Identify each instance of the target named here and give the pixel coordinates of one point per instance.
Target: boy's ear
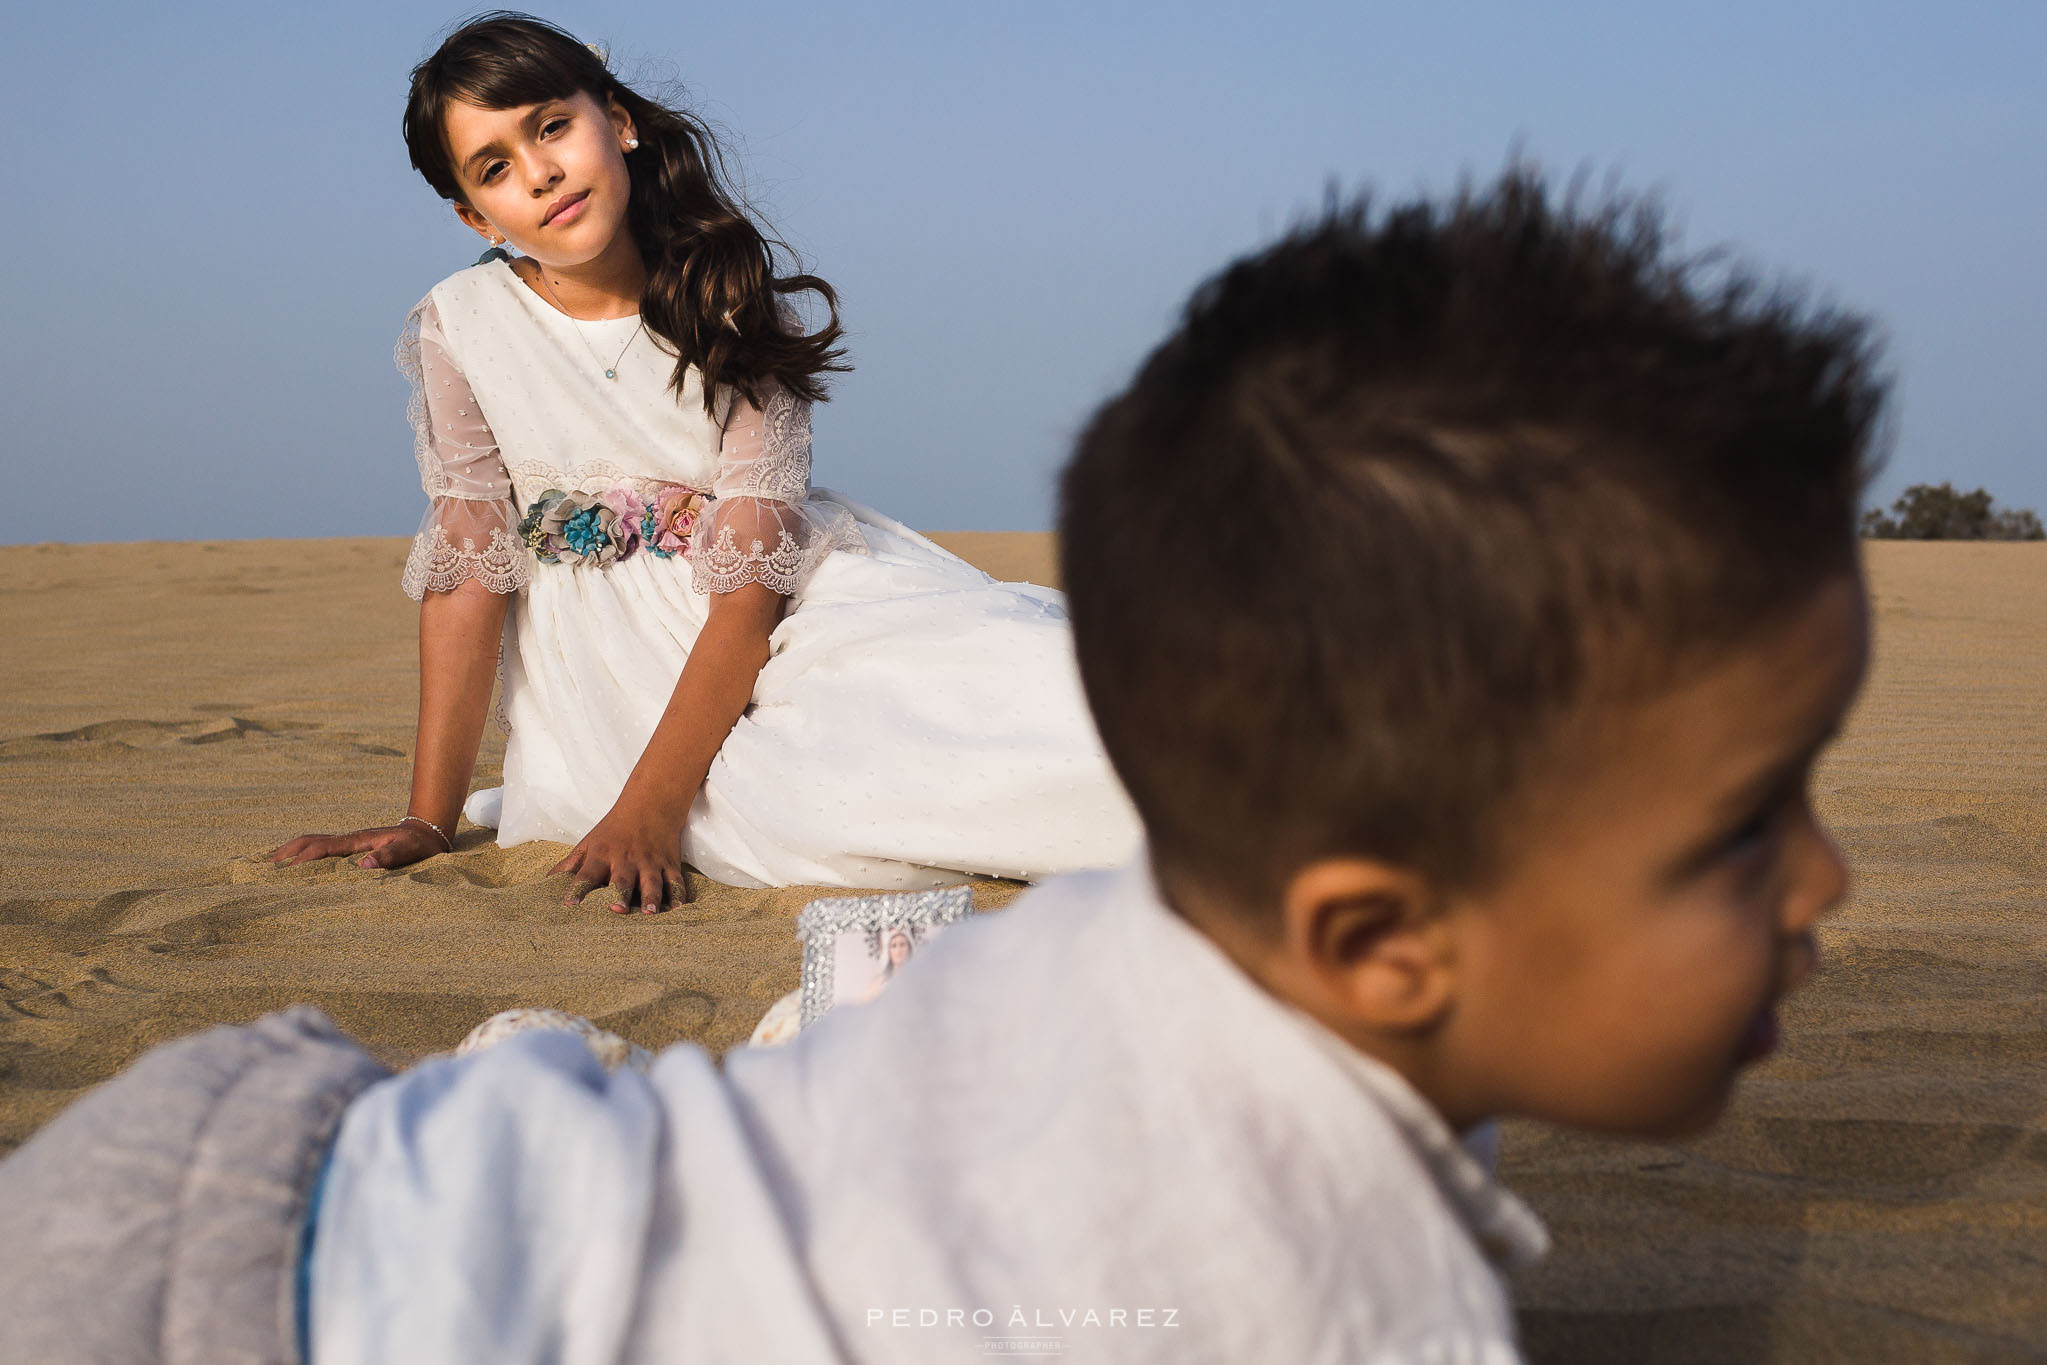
(1369, 939)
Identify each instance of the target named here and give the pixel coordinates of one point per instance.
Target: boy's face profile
(1658, 902)
(1627, 966)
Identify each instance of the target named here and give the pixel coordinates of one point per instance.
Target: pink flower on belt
(671, 518)
(631, 508)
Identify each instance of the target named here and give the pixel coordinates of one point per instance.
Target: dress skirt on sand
(916, 719)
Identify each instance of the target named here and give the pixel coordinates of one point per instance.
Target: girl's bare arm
(458, 644)
(637, 847)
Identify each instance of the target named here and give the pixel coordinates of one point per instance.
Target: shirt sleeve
(762, 526)
(471, 525)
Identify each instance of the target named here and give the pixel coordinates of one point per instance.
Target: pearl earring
(632, 143)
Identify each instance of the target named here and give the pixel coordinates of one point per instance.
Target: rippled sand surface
(1878, 1193)
(175, 710)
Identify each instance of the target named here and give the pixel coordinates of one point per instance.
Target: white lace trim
(436, 564)
(782, 469)
(718, 562)
(585, 476)
(722, 566)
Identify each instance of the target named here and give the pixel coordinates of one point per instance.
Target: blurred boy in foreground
(1464, 594)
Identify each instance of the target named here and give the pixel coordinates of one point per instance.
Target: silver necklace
(611, 370)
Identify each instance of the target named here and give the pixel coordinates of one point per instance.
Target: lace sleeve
(471, 525)
(763, 526)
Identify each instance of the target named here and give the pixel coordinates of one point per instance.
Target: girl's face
(898, 950)
(548, 178)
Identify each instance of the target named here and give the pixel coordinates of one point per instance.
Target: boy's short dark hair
(1406, 491)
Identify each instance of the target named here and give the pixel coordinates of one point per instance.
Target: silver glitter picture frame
(821, 925)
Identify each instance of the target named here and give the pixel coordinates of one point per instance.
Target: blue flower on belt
(587, 533)
(571, 528)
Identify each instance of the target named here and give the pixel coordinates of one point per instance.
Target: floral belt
(597, 528)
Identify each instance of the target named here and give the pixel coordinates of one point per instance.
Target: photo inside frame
(854, 946)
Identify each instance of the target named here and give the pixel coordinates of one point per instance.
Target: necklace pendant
(611, 374)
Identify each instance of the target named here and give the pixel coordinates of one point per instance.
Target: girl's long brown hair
(706, 259)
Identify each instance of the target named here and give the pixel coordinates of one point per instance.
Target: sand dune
(1879, 1193)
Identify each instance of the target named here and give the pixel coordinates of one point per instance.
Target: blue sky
(214, 234)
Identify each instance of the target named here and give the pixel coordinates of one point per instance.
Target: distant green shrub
(1937, 512)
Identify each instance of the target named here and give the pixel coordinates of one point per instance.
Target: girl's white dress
(916, 719)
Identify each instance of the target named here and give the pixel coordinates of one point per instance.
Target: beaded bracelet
(432, 826)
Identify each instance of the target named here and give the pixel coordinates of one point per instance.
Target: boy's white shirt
(1072, 1127)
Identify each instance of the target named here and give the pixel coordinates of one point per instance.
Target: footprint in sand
(156, 734)
(49, 1001)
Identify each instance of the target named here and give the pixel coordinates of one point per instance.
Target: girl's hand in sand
(386, 846)
(635, 855)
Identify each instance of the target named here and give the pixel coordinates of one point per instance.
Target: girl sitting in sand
(614, 429)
